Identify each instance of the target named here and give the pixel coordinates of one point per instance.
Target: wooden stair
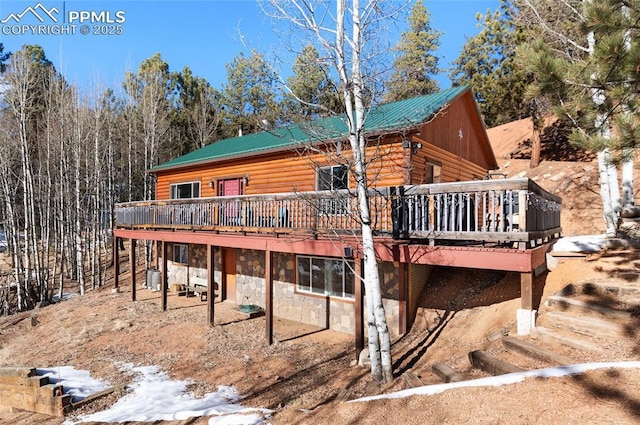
(447, 373)
(565, 303)
(535, 352)
(580, 324)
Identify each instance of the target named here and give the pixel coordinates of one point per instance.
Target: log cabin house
(267, 219)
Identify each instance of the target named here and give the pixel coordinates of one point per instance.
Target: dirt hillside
(303, 373)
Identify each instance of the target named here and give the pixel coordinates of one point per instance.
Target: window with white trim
(180, 254)
(325, 276)
(185, 190)
(333, 178)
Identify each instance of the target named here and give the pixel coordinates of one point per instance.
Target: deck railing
(488, 210)
(504, 210)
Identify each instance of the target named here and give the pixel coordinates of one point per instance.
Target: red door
(230, 210)
(231, 187)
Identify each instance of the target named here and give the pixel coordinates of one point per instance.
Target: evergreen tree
(596, 89)
(196, 116)
(414, 68)
(4, 57)
(488, 65)
(312, 93)
(590, 73)
(249, 98)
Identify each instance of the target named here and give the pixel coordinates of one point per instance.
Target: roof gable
(385, 118)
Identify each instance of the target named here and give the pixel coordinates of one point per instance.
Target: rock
(121, 324)
(552, 262)
(557, 177)
(630, 212)
(363, 358)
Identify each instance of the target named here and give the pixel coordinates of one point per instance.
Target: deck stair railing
(510, 210)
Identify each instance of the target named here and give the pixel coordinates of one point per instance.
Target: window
(333, 178)
(325, 276)
(185, 190)
(433, 172)
(180, 254)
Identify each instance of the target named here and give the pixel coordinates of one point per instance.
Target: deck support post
(526, 315)
(165, 274)
(156, 254)
(403, 289)
(211, 295)
(132, 267)
(116, 262)
(359, 327)
(268, 304)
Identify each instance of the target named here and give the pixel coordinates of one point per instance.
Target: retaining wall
(22, 389)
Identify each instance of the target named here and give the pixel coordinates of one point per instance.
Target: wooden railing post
(523, 210)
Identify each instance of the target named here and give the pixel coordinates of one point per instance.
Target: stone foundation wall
(330, 313)
(182, 273)
(21, 388)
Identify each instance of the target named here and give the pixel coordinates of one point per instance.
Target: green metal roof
(388, 117)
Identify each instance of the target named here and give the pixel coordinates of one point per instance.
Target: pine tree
(414, 68)
(593, 84)
(312, 93)
(4, 57)
(249, 98)
(488, 65)
(196, 117)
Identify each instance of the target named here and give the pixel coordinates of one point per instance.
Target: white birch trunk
(609, 192)
(610, 219)
(303, 14)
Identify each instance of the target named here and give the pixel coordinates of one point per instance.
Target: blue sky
(204, 35)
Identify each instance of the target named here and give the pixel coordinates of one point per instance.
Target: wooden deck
(513, 211)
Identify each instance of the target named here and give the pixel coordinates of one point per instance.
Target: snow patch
(154, 397)
(588, 243)
(510, 378)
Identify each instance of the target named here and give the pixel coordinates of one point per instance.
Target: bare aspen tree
(8, 180)
(343, 34)
(79, 140)
(22, 79)
(204, 120)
